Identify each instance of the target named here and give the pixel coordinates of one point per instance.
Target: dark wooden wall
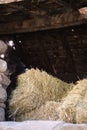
(61, 52)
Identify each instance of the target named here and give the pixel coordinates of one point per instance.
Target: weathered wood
(73, 3)
(38, 7)
(33, 15)
(31, 9)
(43, 23)
(69, 62)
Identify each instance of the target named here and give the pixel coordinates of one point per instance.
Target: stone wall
(4, 81)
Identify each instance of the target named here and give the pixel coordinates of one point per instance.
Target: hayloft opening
(63, 52)
(60, 52)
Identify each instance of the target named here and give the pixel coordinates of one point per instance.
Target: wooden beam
(72, 2)
(42, 23)
(52, 6)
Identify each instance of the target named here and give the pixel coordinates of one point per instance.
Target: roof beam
(42, 23)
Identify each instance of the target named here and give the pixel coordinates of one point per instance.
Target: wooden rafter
(32, 15)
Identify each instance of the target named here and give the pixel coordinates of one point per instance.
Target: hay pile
(39, 95)
(73, 108)
(34, 89)
(48, 111)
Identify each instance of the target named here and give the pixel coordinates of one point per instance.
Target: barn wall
(61, 52)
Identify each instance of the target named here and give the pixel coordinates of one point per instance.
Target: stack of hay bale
(35, 88)
(74, 106)
(40, 96)
(4, 81)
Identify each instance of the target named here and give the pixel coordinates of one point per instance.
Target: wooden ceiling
(32, 15)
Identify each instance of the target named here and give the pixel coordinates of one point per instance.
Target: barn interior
(49, 35)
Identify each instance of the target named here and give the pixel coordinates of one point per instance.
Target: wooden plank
(44, 23)
(73, 3)
(33, 8)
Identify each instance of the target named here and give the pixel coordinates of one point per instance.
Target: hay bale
(48, 111)
(34, 88)
(81, 109)
(74, 106)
